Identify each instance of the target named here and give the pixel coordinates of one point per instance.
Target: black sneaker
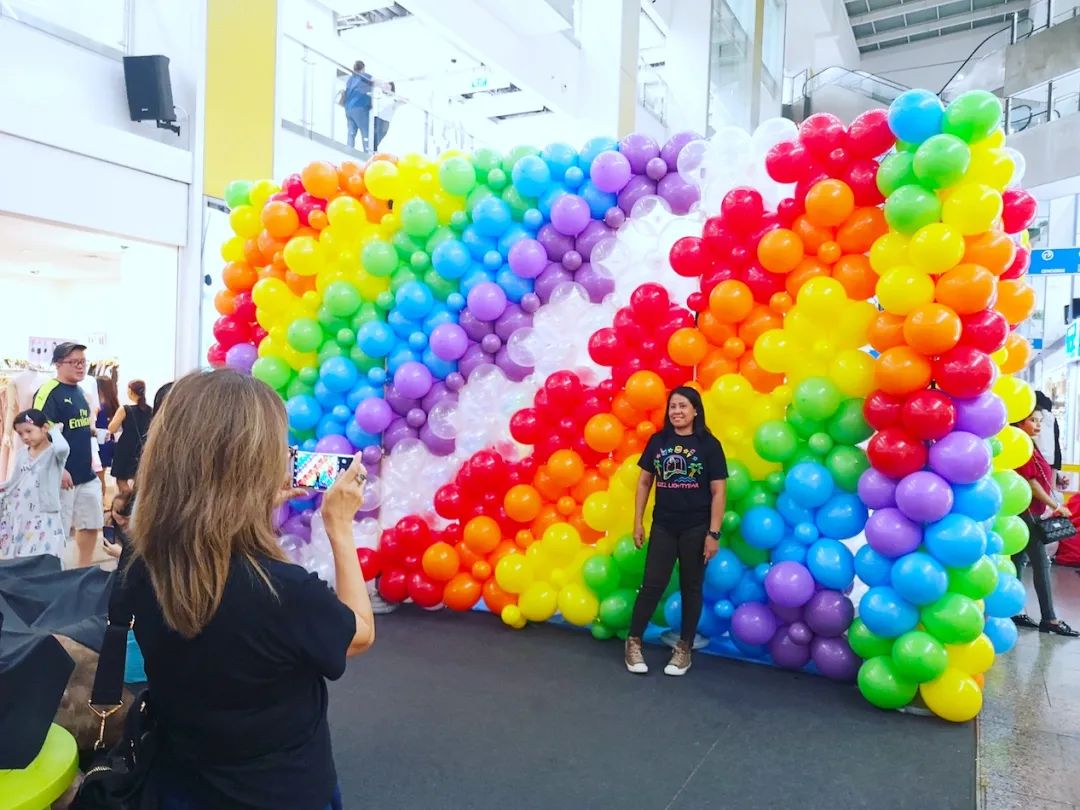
(1058, 628)
(1023, 620)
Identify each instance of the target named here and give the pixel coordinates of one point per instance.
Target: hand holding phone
(317, 471)
(344, 499)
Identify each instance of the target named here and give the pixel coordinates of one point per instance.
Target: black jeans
(1035, 551)
(665, 546)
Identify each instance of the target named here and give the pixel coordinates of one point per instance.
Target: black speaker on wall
(149, 90)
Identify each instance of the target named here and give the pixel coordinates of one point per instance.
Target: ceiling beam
(946, 22)
(889, 12)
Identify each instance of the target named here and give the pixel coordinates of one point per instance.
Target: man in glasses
(65, 404)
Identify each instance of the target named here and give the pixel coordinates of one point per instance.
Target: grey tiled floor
(1029, 729)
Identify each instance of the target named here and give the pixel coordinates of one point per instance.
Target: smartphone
(317, 471)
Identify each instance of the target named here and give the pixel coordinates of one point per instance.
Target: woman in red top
(1037, 472)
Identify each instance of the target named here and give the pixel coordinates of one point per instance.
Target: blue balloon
(915, 115)
(886, 613)
(956, 540)
(402, 326)
(399, 358)
(363, 390)
(326, 397)
(919, 578)
(793, 513)
(593, 147)
(559, 157)
(599, 201)
(329, 426)
(418, 341)
(309, 445)
(809, 484)
(762, 527)
(440, 369)
(831, 563)
(806, 532)
(358, 437)
(491, 216)
(514, 234)
(749, 589)
(751, 651)
(548, 200)
(574, 177)
(376, 339)
(994, 543)
(451, 259)
(722, 573)
(513, 285)
(1002, 634)
(493, 260)
(438, 317)
(1007, 599)
(873, 568)
(979, 501)
(531, 176)
(724, 609)
(477, 276)
(532, 219)
(673, 610)
(761, 570)
(789, 550)
(477, 243)
(303, 411)
(414, 300)
(339, 374)
(455, 302)
(842, 516)
(377, 376)
(342, 412)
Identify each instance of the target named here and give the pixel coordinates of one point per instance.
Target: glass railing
(877, 88)
(1044, 103)
(652, 91)
(1048, 13)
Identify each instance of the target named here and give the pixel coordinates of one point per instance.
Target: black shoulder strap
(109, 678)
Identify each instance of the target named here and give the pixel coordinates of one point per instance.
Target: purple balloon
(473, 326)
(597, 283)
(924, 496)
(674, 145)
(373, 415)
(571, 260)
(639, 149)
(439, 393)
(786, 652)
(876, 489)
(399, 430)
(638, 187)
(555, 243)
(891, 533)
(527, 258)
(829, 613)
(595, 233)
(296, 526)
(413, 379)
(436, 444)
(788, 615)
(656, 169)
(753, 623)
(960, 457)
(401, 405)
(984, 415)
(487, 300)
(550, 280)
(570, 214)
(510, 321)
(530, 302)
(679, 194)
(614, 217)
(491, 344)
(371, 456)
(448, 341)
(241, 357)
(789, 584)
(416, 418)
(474, 358)
(337, 444)
(455, 381)
(281, 514)
(610, 171)
(835, 659)
(512, 370)
(800, 633)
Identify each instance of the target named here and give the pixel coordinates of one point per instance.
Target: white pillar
(687, 71)
(609, 51)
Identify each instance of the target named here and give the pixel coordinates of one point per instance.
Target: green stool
(44, 780)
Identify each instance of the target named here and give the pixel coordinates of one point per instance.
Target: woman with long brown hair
(134, 421)
(108, 405)
(238, 643)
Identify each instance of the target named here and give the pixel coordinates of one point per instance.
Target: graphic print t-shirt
(66, 405)
(683, 467)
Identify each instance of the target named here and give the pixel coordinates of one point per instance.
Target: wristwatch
(714, 535)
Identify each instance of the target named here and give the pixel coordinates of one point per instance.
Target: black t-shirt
(684, 468)
(243, 704)
(66, 405)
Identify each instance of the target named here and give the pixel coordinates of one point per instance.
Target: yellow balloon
(972, 658)
(1000, 356)
(381, 179)
(904, 289)
(888, 251)
(269, 348)
(513, 573)
(261, 192)
(245, 221)
(990, 166)
(606, 544)
(853, 325)
(271, 294)
(232, 250)
(304, 256)
(733, 393)
(994, 140)
(328, 275)
(1016, 448)
(936, 248)
(346, 214)
(820, 297)
(577, 604)
(953, 696)
(782, 395)
(628, 472)
(971, 208)
(598, 512)
(538, 602)
(511, 616)
(560, 542)
(370, 286)
(853, 372)
(1018, 396)
(541, 562)
(772, 351)
(298, 360)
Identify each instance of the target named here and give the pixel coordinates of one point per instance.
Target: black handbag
(119, 777)
(1055, 529)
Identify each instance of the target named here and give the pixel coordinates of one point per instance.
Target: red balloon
(1020, 264)
(718, 240)
(564, 389)
(604, 348)
(487, 471)
(986, 331)
(672, 373)
(787, 162)
(423, 591)
(453, 533)
(881, 410)
(414, 534)
(896, 453)
(742, 209)
(1018, 211)
(257, 334)
(370, 562)
(697, 301)
(215, 356)
(449, 502)
(822, 133)
(627, 328)
(861, 176)
(393, 586)
(836, 162)
(716, 276)
(306, 204)
(928, 415)
(229, 330)
(689, 257)
(245, 307)
(763, 284)
(526, 426)
(741, 256)
(411, 563)
(964, 372)
(802, 188)
(869, 135)
(391, 548)
(787, 211)
(650, 303)
(293, 186)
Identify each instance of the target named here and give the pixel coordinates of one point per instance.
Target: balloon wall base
(671, 638)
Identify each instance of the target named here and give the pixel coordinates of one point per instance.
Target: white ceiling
(40, 249)
(879, 24)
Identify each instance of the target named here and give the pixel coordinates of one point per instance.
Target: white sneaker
(633, 657)
(680, 660)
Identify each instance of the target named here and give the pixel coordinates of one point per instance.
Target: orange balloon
(462, 592)
(993, 250)
(780, 251)
(375, 209)
(757, 376)
(645, 430)
(807, 269)
(730, 301)
(856, 276)
(591, 482)
(252, 254)
(607, 467)
(524, 538)
(687, 346)
(1015, 300)
(714, 329)
(658, 416)
(280, 219)
(932, 329)
(225, 302)
(481, 570)
(861, 230)
(886, 331)
(441, 562)
(565, 467)
(468, 557)
(901, 370)
(496, 598)
(734, 348)
(589, 536)
(603, 432)
(320, 179)
(757, 323)
(625, 411)
(630, 445)
(812, 236)
(829, 203)
(566, 505)
(1019, 354)
(268, 245)
(645, 389)
(522, 503)
(781, 302)
(239, 276)
(546, 485)
(715, 365)
(273, 270)
(318, 220)
(501, 550)
(482, 534)
(299, 284)
(548, 516)
(980, 679)
(829, 252)
(967, 289)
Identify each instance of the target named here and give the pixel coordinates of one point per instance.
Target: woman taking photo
(134, 420)
(238, 643)
(1038, 473)
(687, 465)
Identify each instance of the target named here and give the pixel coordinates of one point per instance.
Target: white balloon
(440, 419)
(691, 161)
(771, 132)
(1019, 166)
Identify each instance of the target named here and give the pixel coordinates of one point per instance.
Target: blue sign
(1059, 261)
(1070, 340)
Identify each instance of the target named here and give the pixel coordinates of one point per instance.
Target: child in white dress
(30, 522)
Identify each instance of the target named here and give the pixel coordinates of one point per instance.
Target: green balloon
(367, 312)
(1015, 492)
(309, 375)
(911, 207)
(738, 481)
(362, 361)
(846, 464)
(457, 176)
(342, 299)
(820, 444)
(848, 425)
(975, 581)
(516, 154)
(1013, 531)
(749, 555)
(1004, 564)
(345, 337)
(775, 440)
(405, 245)
(905, 146)
(616, 609)
(881, 684)
(919, 657)
(459, 221)
(238, 193)
(774, 482)
(440, 287)
(895, 171)
(658, 618)
(379, 258)
(865, 643)
(803, 453)
(601, 575)
(298, 389)
(420, 261)
(995, 446)
(273, 371)
(600, 632)
(817, 398)
(803, 426)
(757, 495)
(402, 276)
(304, 335)
(485, 160)
(476, 195)
(330, 322)
(953, 619)
(629, 558)
(442, 233)
(941, 161)
(329, 350)
(385, 301)
(731, 522)
(418, 218)
(497, 180)
(972, 116)
(518, 204)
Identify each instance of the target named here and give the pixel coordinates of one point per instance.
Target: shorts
(81, 507)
